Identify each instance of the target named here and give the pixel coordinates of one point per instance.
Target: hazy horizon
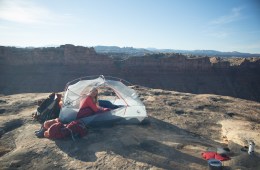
(146, 48)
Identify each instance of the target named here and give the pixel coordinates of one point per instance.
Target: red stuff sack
(58, 131)
(208, 155)
(214, 155)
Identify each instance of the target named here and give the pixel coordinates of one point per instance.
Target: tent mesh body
(131, 105)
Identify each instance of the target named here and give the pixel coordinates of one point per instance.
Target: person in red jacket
(89, 105)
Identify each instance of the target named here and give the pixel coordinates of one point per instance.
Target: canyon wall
(49, 69)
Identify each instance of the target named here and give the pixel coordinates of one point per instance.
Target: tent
(131, 109)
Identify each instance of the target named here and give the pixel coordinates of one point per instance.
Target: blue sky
(224, 25)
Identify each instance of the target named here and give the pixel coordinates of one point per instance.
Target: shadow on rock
(140, 143)
(31, 160)
(11, 125)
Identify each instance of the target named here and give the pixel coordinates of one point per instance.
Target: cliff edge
(49, 69)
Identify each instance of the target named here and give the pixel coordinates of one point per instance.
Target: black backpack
(48, 108)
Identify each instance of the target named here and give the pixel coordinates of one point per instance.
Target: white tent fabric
(131, 107)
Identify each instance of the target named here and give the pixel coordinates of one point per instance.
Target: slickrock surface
(182, 125)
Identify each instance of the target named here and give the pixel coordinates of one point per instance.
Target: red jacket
(88, 103)
(88, 107)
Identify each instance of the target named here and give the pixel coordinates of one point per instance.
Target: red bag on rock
(214, 155)
(58, 131)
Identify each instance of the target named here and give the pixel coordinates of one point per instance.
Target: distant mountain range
(130, 51)
(124, 50)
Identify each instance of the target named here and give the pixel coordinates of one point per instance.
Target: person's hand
(106, 109)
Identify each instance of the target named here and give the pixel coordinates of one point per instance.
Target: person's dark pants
(107, 104)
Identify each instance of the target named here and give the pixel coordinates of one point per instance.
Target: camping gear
(129, 108)
(40, 133)
(57, 131)
(48, 109)
(225, 151)
(214, 155)
(77, 129)
(251, 147)
(214, 164)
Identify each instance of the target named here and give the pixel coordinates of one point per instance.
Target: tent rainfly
(131, 108)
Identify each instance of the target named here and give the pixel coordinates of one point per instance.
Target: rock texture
(49, 69)
(63, 55)
(182, 126)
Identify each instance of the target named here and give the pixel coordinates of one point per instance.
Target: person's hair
(95, 99)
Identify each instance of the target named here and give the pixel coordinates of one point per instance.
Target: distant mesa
(48, 69)
(171, 60)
